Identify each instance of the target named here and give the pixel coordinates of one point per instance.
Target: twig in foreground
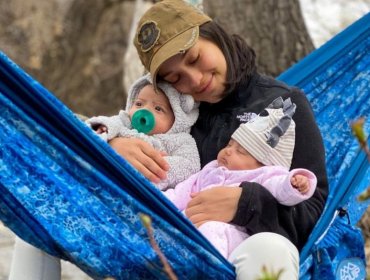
(147, 222)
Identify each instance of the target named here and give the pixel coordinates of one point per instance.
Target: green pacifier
(143, 121)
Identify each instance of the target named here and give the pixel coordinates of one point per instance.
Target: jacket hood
(185, 109)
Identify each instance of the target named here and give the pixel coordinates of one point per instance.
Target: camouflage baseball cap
(169, 27)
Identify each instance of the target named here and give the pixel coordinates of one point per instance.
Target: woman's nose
(195, 77)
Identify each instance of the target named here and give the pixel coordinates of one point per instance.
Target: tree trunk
(83, 59)
(73, 47)
(76, 48)
(275, 29)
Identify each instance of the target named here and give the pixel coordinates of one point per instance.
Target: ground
(69, 271)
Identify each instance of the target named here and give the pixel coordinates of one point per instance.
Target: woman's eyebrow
(163, 75)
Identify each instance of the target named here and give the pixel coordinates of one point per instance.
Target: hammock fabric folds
(65, 191)
(336, 79)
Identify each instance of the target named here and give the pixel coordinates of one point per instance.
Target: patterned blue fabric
(66, 192)
(336, 79)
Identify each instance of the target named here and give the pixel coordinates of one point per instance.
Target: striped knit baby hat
(270, 136)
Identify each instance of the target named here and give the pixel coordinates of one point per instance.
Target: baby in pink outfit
(260, 151)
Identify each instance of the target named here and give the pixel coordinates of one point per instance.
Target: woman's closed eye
(194, 59)
(172, 79)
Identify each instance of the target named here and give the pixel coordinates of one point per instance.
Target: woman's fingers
(150, 169)
(151, 173)
(142, 156)
(216, 204)
(154, 166)
(199, 220)
(196, 216)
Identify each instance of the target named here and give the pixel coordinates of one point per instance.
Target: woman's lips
(206, 87)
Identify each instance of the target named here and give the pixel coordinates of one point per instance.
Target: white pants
(267, 249)
(30, 263)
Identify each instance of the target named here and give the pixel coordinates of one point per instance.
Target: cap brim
(178, 44)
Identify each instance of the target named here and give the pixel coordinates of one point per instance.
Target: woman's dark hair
(240, 58)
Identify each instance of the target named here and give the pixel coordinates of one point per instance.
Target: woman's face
(200, 72)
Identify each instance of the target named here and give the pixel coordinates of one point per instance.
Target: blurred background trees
(82, 50)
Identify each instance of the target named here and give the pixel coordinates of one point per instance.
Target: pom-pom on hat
(270, 136)
(169, 27)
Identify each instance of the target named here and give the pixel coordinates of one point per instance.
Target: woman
(179, 44)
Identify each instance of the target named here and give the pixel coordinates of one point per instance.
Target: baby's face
(157, 103)
(235, 157)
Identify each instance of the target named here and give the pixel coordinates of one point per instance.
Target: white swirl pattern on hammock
(340, 95)
(59, 202)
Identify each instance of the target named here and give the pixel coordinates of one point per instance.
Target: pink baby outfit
(276, 179)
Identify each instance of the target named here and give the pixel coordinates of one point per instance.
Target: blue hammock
(66, 192)
(336, 80)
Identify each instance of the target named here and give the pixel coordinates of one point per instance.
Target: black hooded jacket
(258, 210)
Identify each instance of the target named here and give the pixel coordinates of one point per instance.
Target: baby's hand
(100, 129)
(301, 183)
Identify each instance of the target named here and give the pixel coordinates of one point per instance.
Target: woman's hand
(216, 204)
(142, 156)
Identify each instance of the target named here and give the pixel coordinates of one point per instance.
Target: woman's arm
(253, 207)
(142, 156)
